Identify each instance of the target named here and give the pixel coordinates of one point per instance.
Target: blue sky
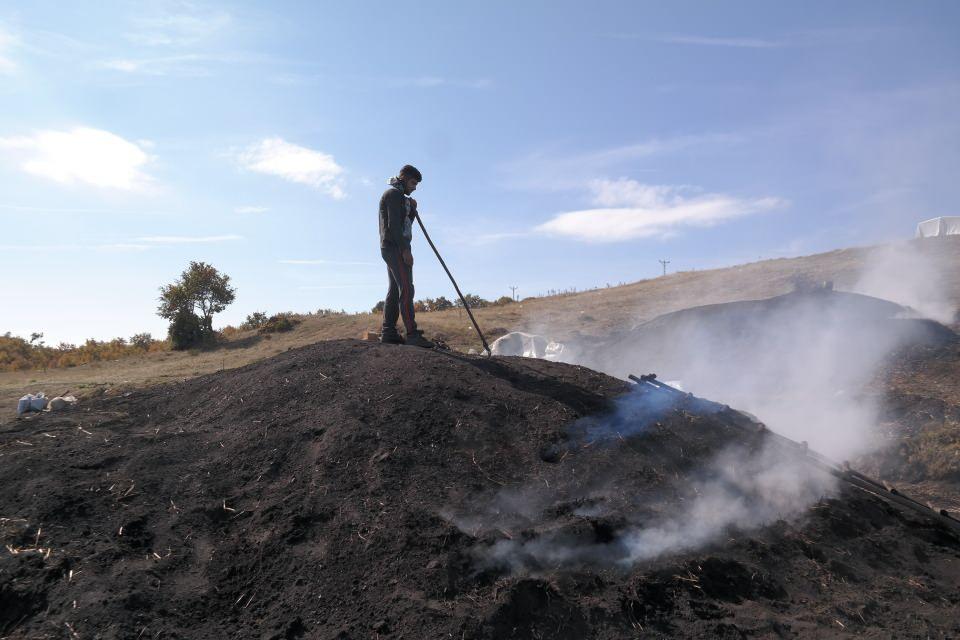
(563, 144)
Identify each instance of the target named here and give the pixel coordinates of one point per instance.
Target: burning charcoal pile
(355, 490)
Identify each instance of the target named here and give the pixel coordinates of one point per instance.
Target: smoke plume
(907, 274)
(802, 363)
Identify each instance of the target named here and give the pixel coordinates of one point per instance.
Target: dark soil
(327, 493)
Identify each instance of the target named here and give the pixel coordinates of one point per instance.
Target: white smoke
(909, 274)
(799, 363)
(739, 490)
(802, 364)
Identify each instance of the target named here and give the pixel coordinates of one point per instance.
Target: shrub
(229, 331)
(141, 341)
(441, 304)
(255, 320)
(19, 354)
(475, 301)
(278, 323)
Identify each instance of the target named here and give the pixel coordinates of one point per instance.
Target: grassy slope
(591, 312)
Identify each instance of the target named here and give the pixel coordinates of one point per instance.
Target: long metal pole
(462, 299)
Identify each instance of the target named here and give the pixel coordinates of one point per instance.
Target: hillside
(597, 312)
(322, 494)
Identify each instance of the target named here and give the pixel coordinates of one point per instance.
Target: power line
(513, 291)
(664, 263)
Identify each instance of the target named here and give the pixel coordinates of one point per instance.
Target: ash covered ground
(357, 490)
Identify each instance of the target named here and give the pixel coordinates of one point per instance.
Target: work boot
(391, 337)
(417, 340)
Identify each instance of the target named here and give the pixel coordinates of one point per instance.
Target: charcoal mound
(741, 336)
(356, 490)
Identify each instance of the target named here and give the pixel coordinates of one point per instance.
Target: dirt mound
(356, 490)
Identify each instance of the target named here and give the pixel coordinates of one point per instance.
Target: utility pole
(513, 291)
(664, 263)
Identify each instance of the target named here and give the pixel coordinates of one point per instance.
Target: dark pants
(399, 300)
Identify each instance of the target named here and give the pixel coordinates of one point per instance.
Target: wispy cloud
(629, 210)
(277, 157)
(73, 210)
(188, 239)
(431, 82)
(178, 24)
(801, 38)
(82, 156)
(555, 169)
(251, 209)
(413, 82)
(188, 64)
(325, 262)
(123, 247)
(709, 41)
(7, 42)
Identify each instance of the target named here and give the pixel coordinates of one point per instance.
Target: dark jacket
(396, 219)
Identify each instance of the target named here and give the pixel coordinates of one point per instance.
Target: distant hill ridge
(597, 312)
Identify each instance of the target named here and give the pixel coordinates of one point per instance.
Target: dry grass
(592, 312)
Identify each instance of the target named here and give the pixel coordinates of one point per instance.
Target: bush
(278, 323)
(229, 331)
(141, 341)
(19, 354)
(377, 308)
(502, 300)
(255, 320)
(186, 331)
(441, 304)
(475, 301)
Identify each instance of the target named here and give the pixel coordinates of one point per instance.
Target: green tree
(185, 331)
(201, 291)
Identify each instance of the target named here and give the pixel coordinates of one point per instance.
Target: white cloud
(277, 157)
(629, 210)
(251, 209)
(82, 156)
(188, 239)
(749, 43)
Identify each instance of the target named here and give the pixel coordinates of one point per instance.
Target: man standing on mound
(397, 211)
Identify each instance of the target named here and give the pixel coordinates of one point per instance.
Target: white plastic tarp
(942, 226)
(527, 345)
